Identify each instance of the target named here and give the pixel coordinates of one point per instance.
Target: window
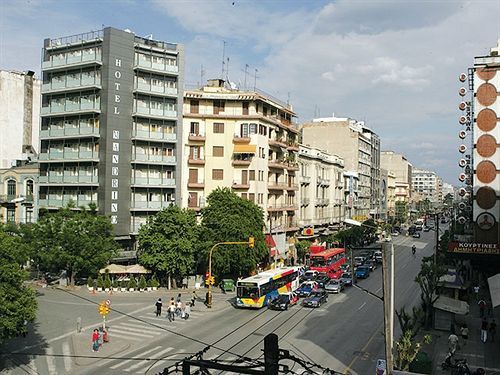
(194, 128)
(29, 215)
(218, 127)
(11, 215)
(218, 151)
(11, 189)
(217, 174)
(194, 106)
(252, 175)
(261, 175)
(245, 107)
(244, 196)
(260, 198)
(193, 175)
(194, 152)
(251, 197)
(193, 200)
(218, 106)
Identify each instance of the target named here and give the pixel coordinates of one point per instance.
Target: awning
(244, 149)
(113, 269)
(494, 284)
(137, 268)
(452, 305)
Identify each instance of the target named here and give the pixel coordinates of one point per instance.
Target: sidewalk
(477, 353)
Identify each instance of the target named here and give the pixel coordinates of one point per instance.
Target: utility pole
(436, 219)
(388, 305)
(271, 354)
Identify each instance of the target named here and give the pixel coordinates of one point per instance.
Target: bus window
(317, 262)
(247, 292)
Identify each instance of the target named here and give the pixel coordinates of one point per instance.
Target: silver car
(334, 286)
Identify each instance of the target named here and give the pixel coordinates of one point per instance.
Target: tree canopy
(76, 241)
(17, 300)
(228, 217)
(168, 242)
(428, 279)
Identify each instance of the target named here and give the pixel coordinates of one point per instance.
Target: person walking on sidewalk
(194, 297)
(95, 340)
(452, 343)
(171, 313)
(476, 291)
(484, 330)
(158, 305)
(179, 298)
(482, 307)
(464, 332)
(493, 330)
(187, 311)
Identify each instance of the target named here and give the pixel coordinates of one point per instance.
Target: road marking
(376, 332)
(67, 356)
(378, 290)
(363, 305)
(130, 332)
(161, 363)
(138, 355)
(132, 324)
(51, 366)
(32, 366)
(125, 336)
(143, 362)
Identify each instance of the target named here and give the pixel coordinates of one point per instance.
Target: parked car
(346, 279)
(310, 275)
(284, 301)
(395, 233)
(358, 261)
(315, 299)
(307, 288)
(362, 272)
(345, 267)
(334, 286)
(416, 235)
(378, 257)
(322, 279)
(426, 229)
(227, 285)
(368, 254)
(370, 264)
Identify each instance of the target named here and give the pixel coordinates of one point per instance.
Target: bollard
(79, 324)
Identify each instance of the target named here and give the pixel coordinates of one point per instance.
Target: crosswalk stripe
(138, 355)
(32, 366)
(143, 330)
(125, 336)
(162, 363)
(139, 364)
(67, 356)
(142, 326)
(127, 331)
(51, 366)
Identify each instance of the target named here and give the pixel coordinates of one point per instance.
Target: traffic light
(251, 242)
(207, 281)
(103, 309)
(212, 280)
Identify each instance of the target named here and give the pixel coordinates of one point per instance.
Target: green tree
(76, 241)
(228, 217)
(302, 249)
(17, 300)
(401, 211)
(407, 349)
(428, 279)
(167, 243)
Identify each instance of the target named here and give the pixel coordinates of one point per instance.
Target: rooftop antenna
(288, 98)
(227, 69)
(202, 76)
(255, 79)
(246, 73)
(223, 57)
(149, 36)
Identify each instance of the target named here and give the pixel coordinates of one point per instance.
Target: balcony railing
(305, 179)
(158, 67)
(196, 137)
(159, 135)
(156, 112)
(241, 185)
(64, 200)
(163, 90)
(276, 163)
(68, 131)
(149, 205)
(68, 155)
(54, 108)
(70, 179)
(154, 158)
(152, 181)
(200, 184)
(272, 185)
(71, 60)
(70, 83)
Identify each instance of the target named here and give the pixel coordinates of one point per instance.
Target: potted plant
(123, 286)
(107, 282)
(149, 286)
(100, 283)
(142, 283)
(154, 283)
(90, 283)
(132, 284)
(114, 284)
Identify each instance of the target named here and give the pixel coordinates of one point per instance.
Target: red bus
(327, 260)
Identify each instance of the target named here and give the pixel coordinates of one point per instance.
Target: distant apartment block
(110, 134)
(402, 169)
(244, 140)
(428, 185)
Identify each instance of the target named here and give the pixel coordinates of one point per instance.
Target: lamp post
(388, 291)
(210, 280)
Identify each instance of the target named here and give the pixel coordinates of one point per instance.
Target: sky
(393, 64)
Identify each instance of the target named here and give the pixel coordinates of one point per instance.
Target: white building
(19, 116)
(428, 184)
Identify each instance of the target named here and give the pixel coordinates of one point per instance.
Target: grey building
(110, 125)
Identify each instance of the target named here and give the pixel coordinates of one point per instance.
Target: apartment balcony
(196, 184)
(275, 207)
(71, 85)
(292, 226)
(305, 180)
(292, 166)
(157, 113)
(196, 137)
(69, 132)
(70, 108)
(292, 186)
(154, 136)
(156, 67)
(153, 159)
(276, 164)
(305, 201)
(277, 142)
(62, 201)
(290, 206)
(292, 146)
(149, 205)
(239, 139)
(196, 161)
(151, 89)
(273, 185)
(68, 62)
(68, 179)
(68, 156)
(241, 185)
(322, 202)
(152, 182)
(241, 162)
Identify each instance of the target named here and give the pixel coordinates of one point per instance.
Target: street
(345, 334)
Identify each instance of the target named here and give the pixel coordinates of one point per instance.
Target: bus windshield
(248, 292)
(317, 262)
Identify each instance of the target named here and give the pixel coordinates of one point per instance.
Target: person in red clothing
(95, 340)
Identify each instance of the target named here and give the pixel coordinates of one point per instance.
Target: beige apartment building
(428, 185)
(360, 148)
(391, 195)
(402, 169)
(321, 189)
(245, 140)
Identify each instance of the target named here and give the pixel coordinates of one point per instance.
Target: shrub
(115, 283)
(90, 282)
(132, 283)
(107, 281)
(142, 282)
(154, 282)
(100, 281)
(123, 283)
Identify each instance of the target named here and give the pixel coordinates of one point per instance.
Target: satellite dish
(233, 85)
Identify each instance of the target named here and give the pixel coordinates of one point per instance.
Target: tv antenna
(223, 57)
(255, 79)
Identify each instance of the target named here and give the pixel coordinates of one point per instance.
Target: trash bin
(227, 285)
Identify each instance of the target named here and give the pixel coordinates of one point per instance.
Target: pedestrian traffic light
(207, 281)
(103, 309)
(251, 242)
(212, 280)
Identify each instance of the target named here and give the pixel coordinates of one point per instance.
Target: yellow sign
(251, 242)
(104, 309)
(360, 218)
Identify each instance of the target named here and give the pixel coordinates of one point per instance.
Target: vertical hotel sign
(115, 157)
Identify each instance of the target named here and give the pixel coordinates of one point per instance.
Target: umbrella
(137, 268)
(113, 268)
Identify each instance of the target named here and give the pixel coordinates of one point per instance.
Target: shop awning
(244, 149)
(452, 305)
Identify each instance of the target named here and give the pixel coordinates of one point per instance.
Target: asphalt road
(345, 335)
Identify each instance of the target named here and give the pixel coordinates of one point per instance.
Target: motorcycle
(459, 366)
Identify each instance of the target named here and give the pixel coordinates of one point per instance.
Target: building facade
(321, 189)
(111, 109)
(18, 193)
(245, 140)
(428, 185)
(360, 148)
(19, 117)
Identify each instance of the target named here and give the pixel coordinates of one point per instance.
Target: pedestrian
(95, 340)
(101, 336)
(25, 328)
(187, 311)
(184, 283)
(194, 297)
(493, 330)
(178, 308)
(464, 332)
(179, 297)
(484, 330)
(158, 305)
(171, 313)
(452, 343)
(476, 291)
(183, 311)
(482, 306)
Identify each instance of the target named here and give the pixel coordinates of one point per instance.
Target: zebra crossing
(149, 361)
(408, 241)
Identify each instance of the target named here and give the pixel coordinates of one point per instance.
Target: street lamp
(388, 288)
